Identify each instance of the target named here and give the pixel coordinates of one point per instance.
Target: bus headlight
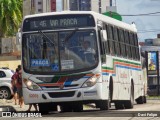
(91, 81)
(31, 85)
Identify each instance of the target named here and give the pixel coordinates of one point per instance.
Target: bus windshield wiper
(47, 37)
(53, 42)
(70, 35)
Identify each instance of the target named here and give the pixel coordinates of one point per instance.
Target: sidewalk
(10, 103)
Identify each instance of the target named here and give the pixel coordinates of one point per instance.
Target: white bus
(73, 58)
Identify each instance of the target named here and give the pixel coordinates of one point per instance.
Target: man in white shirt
(89, 52)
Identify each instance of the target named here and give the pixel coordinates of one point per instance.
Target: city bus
(73, 58)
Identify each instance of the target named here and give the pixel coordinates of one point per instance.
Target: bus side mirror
(104, 35)
(18, 38)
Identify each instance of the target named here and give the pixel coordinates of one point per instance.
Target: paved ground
(10, 103)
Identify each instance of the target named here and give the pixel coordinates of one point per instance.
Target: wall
(11, 64)
(9, 45)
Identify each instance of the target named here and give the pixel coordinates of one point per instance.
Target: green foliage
(10, 17)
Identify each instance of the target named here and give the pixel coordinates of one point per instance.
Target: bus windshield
(55, 52)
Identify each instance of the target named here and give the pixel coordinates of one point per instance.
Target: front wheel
(77, 106)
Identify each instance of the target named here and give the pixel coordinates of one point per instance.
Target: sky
(143, 23)
(134, 7)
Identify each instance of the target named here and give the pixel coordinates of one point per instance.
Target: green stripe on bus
(124, 61)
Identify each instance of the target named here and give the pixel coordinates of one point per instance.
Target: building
(86, 5)
(151, 48)
(39, 6)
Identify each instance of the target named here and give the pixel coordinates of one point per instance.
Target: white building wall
(104, 4)
(46, 6)
(38, 6)
(26, 7)
(94, 5)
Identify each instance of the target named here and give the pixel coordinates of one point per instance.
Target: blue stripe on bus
(126, 67)
(86, 76)
(104, 73)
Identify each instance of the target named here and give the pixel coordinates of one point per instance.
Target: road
(149, 111)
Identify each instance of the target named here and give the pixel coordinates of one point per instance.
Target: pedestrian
(19, 88)
(19, 67)
(30, 106)
(14, 83)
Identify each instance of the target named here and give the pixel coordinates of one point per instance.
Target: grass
(153, 97)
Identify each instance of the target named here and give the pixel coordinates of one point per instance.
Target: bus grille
(61, 94)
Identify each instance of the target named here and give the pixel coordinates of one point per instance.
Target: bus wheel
(67, 107)
(145, 100)
(119, 105)
(129, 103)
(44, 109)
(77, 106)
(140, 100)
(103, 104)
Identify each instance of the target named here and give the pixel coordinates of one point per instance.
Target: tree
(10, 17)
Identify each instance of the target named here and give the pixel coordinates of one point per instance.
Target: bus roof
(97, 16)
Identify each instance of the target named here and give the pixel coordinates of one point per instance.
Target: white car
(6, 91)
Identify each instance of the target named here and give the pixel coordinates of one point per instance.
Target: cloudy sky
(143, 23)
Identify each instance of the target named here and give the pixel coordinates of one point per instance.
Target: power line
(146, 14)
(149, 31)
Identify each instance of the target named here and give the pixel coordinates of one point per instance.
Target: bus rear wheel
(119, 105)
(140, 100)
(103, 104)
(129, 103)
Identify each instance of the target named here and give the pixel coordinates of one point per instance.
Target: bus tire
(104, 104)
(43, 108)
(77, 106)
(67, 107)
(145, 100)
(140, 100)
(129, 103)
(119, 105)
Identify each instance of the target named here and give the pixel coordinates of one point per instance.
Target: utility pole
(100, 7)
(110, 3)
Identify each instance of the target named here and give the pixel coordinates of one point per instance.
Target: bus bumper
(81, 94)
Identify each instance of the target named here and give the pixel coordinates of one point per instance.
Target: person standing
(19, 88)
(14, 87)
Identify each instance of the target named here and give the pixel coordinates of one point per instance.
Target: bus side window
(131, 45)
(109, 29)
(100, 42)
(115, 38)
(107, 42)
(120, 41)
(136, 47)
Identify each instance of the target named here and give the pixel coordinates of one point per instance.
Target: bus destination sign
(58, 22)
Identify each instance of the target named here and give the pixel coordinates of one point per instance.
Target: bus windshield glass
(55, 52)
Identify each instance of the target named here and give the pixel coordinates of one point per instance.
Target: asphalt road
(149, 111)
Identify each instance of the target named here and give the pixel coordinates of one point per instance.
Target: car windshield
(51, 52)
